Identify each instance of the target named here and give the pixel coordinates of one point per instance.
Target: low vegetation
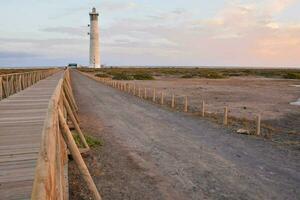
(116, 75)
(12, 71)
(92, 141)
(292, 75)
(102, 75)
(211, 73)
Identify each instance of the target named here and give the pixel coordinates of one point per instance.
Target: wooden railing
(13, 83)
(49, 182)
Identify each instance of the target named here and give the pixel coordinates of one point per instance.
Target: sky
(248, 33)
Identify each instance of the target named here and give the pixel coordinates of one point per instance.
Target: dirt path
(167, 155)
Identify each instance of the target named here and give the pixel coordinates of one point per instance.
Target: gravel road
(190, 157)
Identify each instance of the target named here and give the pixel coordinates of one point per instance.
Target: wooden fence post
(7, 86)
(162, 98)
(12, 88)
(74, 121)
(129, 88)
(173, 101)
(203, 109)
(186, 104)
(225, 120)
(133, 89)
(1, 91)
(258, 124)
(145, 93)
(20, 82)
(139, 92)
(77, 156)
(154, 95)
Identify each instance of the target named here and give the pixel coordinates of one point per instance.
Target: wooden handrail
(16, 82)
(49, 182)
(40, 70)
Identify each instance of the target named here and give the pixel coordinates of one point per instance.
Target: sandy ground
(245, 96)
(152, 153)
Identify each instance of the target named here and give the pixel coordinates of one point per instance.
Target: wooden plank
(22, 116)
(19, 151)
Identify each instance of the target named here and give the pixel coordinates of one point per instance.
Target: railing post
(7, 86)
(1, 90)
(225, 120)
(258, 124)
(173, 101)
(77, 156)
(154, 95)
(186, 104)
(74, 121)
(139, 92)
(203, 108)
(145, 93)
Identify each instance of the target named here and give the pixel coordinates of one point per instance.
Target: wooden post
(225, 120)
(140, 93)
(145, 93)
(1, 91)
(154, 95)
(134, 89)
(186, 104)
(77, 156)
(12, 88)
(173, 101)
(128, 88)
(70, 97)
(74, 121)
(258, 124)
(20, 82)
(7, 86)
(162, 98)
(203, 109)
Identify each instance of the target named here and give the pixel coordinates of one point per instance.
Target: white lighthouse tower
(94, 40)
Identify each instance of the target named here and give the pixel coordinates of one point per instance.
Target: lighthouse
(94, 40)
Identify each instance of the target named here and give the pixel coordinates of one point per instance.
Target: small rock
(243, 131)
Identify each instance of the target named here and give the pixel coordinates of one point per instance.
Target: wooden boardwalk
(22, 118)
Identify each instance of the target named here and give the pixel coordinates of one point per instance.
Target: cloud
(117, 6)
(16, 55)
(277, 6)
(238, 34)
(48, 48)
(72, 31)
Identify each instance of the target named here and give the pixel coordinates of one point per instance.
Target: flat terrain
(152, 153)
(12, 71)
(245, 97)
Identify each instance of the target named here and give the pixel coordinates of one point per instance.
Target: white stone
(243, 131)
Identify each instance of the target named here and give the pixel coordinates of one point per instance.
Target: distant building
(73, 65)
